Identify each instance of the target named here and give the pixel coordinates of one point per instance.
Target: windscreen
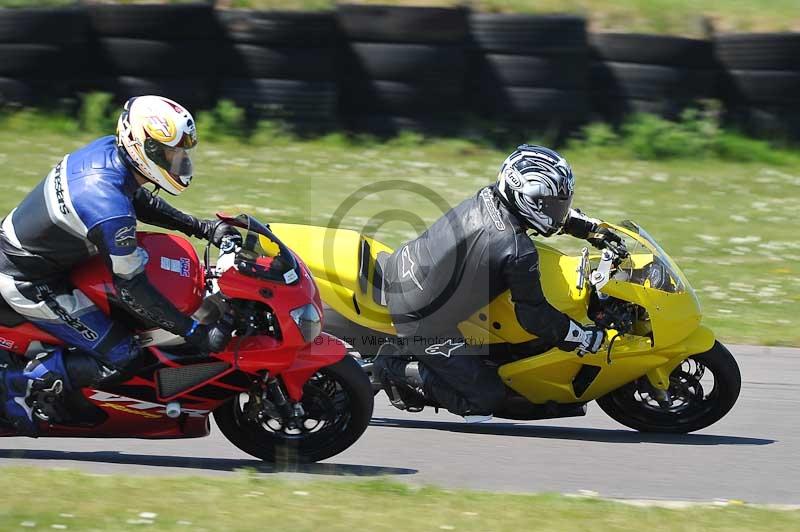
(648, 265)
(263, 255)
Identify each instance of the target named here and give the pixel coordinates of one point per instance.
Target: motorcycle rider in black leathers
(89, 204)
(467, 258)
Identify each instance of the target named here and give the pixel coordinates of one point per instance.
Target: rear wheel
(702, 390)
(337, 407)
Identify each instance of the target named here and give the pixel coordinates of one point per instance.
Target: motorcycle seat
(366, 266)
(8, 316)
(378, 292)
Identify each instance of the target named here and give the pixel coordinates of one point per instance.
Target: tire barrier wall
(530, 71)
(402, 67)
(281, 66)
(382, 69)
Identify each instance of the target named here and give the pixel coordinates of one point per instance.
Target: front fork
(269, 400)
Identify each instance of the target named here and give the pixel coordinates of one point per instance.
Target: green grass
(732, 226)
(94, 502)
(680, 17)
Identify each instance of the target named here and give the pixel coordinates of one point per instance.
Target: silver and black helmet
(538, 184)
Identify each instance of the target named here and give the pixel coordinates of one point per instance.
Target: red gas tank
(173, 269)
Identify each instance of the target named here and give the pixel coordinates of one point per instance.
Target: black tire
(614, 108)
(652, 49)
(35, 60)
(280, 98)
(767, 121)
(622, 406)
(385, 125)
(405, 62)
(154, 21)
(143, 57)
(399, 98)
(256, 441)
(569, 107)
(253, 61)
(652, 82)
(52, 26)
(17, 92)
(527, 34)
(278, 27)
(193, 93)
(776, 87)
(570, 71)
(402, 24)
(758, 51)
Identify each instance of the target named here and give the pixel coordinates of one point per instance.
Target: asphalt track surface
(752, 455)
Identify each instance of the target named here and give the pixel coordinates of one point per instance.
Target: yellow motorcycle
(660, 370)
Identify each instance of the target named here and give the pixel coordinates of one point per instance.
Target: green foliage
(225, 121)
(695, 134)
(25, 120)
(97, 113)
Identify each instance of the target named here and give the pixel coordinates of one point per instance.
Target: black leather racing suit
(467, 258)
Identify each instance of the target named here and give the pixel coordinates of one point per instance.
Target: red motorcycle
(282, 390)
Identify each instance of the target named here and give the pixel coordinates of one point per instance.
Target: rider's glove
(601, 236)
(586, 339)
(210, 338)
(216, 230)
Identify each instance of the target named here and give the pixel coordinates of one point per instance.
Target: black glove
(211, 338)
(602, 236)
(216, 230)
(586, 339)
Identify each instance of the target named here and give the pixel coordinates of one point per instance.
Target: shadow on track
(209, 464)
(569, 433)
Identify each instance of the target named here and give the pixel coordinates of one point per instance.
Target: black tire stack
(654, 74)
(402, 68)
(761, 76)
(530, 71)
(281, 65)
(41, 52)
(165, 49)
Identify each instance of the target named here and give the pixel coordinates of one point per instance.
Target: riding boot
(34, 392)
(400, 380)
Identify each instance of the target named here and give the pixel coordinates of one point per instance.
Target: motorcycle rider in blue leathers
(89, 204)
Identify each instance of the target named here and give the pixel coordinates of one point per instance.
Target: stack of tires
(281, 65)
(164, 49)
(41, 52)
(761, 75)
(654, 74)
(402, 67)
(530, 71)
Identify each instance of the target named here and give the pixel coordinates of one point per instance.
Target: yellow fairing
(338, 260)
(334, 257)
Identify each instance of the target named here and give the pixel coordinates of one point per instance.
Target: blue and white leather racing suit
(87, 205)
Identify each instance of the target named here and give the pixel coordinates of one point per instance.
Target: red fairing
(282, 298)
(325, 350)
(173, 269)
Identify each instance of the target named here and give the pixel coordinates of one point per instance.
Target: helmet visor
(547, 215)
(557, 210)
(176, 160)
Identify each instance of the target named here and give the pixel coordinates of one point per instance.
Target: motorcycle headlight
(308, 321)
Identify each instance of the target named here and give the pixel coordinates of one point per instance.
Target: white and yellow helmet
(157, 137)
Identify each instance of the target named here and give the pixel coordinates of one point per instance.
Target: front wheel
(701, 391)
(337, 404)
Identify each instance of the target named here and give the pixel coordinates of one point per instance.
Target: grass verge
(726, 215)
(680, 17)
(92, 502)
